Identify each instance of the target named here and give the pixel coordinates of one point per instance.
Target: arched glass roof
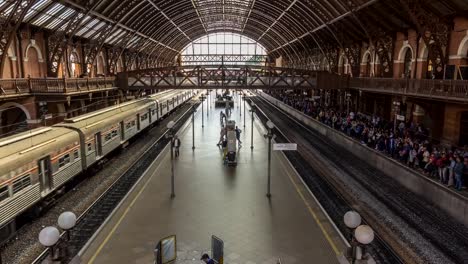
(223, 47)
(289, 28)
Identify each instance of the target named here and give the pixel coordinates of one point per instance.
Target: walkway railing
(26, 86)
(439, 89)
(264, 77)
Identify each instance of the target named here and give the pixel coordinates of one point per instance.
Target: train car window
(144, 117)
(75, 154)
(153, 112)
(4, 193)
(21, 183)
(128, 125)
(114, 133)
(90, 147)
(64, 160)
(108, 137)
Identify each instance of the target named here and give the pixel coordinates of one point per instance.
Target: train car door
(45, 175)
(97, 144)
(122, 131)
(138, 122)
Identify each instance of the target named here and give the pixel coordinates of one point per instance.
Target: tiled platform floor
(212, 199)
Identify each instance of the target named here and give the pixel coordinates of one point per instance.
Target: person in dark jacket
(458, 172)
(206, 258)
(176, 143)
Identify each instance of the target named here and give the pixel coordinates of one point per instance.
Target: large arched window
(223, 48)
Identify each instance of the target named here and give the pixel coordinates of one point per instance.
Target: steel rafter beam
(9, 26)
(326, 24)
(112, 21)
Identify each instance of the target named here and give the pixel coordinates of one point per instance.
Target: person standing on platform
(458, 171)
(176, 143)
(222, 118)
(206, 258)
(238, 132)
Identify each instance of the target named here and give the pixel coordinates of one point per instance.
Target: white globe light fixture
(253, 104)
(352, 219)
(67, 220)
(49, 236)
(171, 124)
(364, 234)
(270, 124)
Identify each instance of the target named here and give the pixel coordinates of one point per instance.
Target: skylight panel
(35, 8)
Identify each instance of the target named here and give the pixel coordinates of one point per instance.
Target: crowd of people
(409, 143)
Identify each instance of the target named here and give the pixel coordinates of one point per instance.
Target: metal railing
(453, 89)
(25, 86)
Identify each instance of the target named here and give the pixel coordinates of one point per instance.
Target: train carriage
(103, 131)
(33, 164)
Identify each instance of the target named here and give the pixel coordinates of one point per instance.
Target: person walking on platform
(206, 258)
(222, 118)
(176, 145)
(222, 135)
(238, 132)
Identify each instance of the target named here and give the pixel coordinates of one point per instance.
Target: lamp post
(252, 106)
(270, 135)
(202, 99)
(361, 234)
(244, 98)
(352, 219)
(170, 135)
(364, 236)
(66, 221)
(194, 110)
(208, 102)
(48, 237)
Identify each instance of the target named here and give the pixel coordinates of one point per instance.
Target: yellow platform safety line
(311, 211)
(101, 246)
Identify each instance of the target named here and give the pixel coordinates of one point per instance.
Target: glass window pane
(224, 43)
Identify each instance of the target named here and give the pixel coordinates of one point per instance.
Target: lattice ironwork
(220, 59)
(9, 25)
(353, 54)
(219, 76)
(384, 49)
(291, 29)
(434, 30)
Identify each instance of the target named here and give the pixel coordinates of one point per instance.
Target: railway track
(92, 218)
(414, 230)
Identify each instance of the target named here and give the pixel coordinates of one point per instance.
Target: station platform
(212, 199)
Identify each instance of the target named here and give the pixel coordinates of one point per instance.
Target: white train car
(32, 165)
(103, 131)
(35, 163)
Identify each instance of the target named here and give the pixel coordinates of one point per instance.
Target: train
(36, 163)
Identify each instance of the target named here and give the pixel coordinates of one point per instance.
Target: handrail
(25, 86)
(420, 87)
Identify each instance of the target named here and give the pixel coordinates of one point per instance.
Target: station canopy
(282, 27)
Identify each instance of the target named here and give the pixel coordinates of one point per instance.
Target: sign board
(285, 146)
(217, 249)
(400, 118)
(166, 250)
(48, 116)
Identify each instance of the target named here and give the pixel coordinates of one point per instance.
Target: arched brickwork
(367, 64)
(32, 60)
